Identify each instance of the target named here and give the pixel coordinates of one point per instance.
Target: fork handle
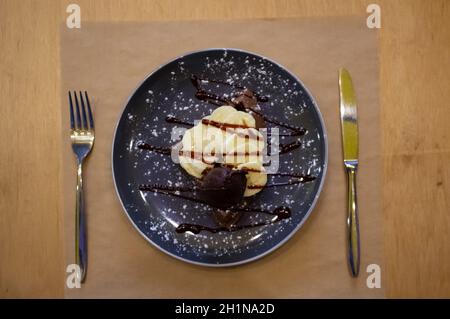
(352, 223)
(80, 225)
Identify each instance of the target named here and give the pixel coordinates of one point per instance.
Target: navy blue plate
(169, 91)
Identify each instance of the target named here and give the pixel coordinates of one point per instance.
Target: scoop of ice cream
(256, 177)
(228, 137)
(222, 187)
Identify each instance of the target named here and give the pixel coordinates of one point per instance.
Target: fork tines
(80, 122)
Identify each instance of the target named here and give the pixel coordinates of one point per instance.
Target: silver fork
(82, 138)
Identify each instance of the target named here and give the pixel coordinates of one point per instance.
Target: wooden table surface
(414, 51)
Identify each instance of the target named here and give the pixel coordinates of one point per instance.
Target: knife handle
(352, 222)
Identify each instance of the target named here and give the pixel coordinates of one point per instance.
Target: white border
(311, 208)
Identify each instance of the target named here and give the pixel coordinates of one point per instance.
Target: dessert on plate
(224, 154)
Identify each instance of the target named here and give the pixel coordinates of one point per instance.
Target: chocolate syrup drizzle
(175, 120)
(281, 212)
(165, 189)
(196, 81)
(156, 149)
(203, 95)
(194, 155)
(283, 149)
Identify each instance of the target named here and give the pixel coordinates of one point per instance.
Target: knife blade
(349, 129)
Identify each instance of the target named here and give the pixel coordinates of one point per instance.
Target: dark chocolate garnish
(222, 187)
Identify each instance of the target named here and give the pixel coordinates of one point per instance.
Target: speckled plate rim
(300, 224)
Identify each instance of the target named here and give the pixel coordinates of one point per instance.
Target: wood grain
(414, 61)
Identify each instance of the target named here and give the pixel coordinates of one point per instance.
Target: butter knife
(349, 128)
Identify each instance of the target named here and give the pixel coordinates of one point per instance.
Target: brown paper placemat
(110, 59)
